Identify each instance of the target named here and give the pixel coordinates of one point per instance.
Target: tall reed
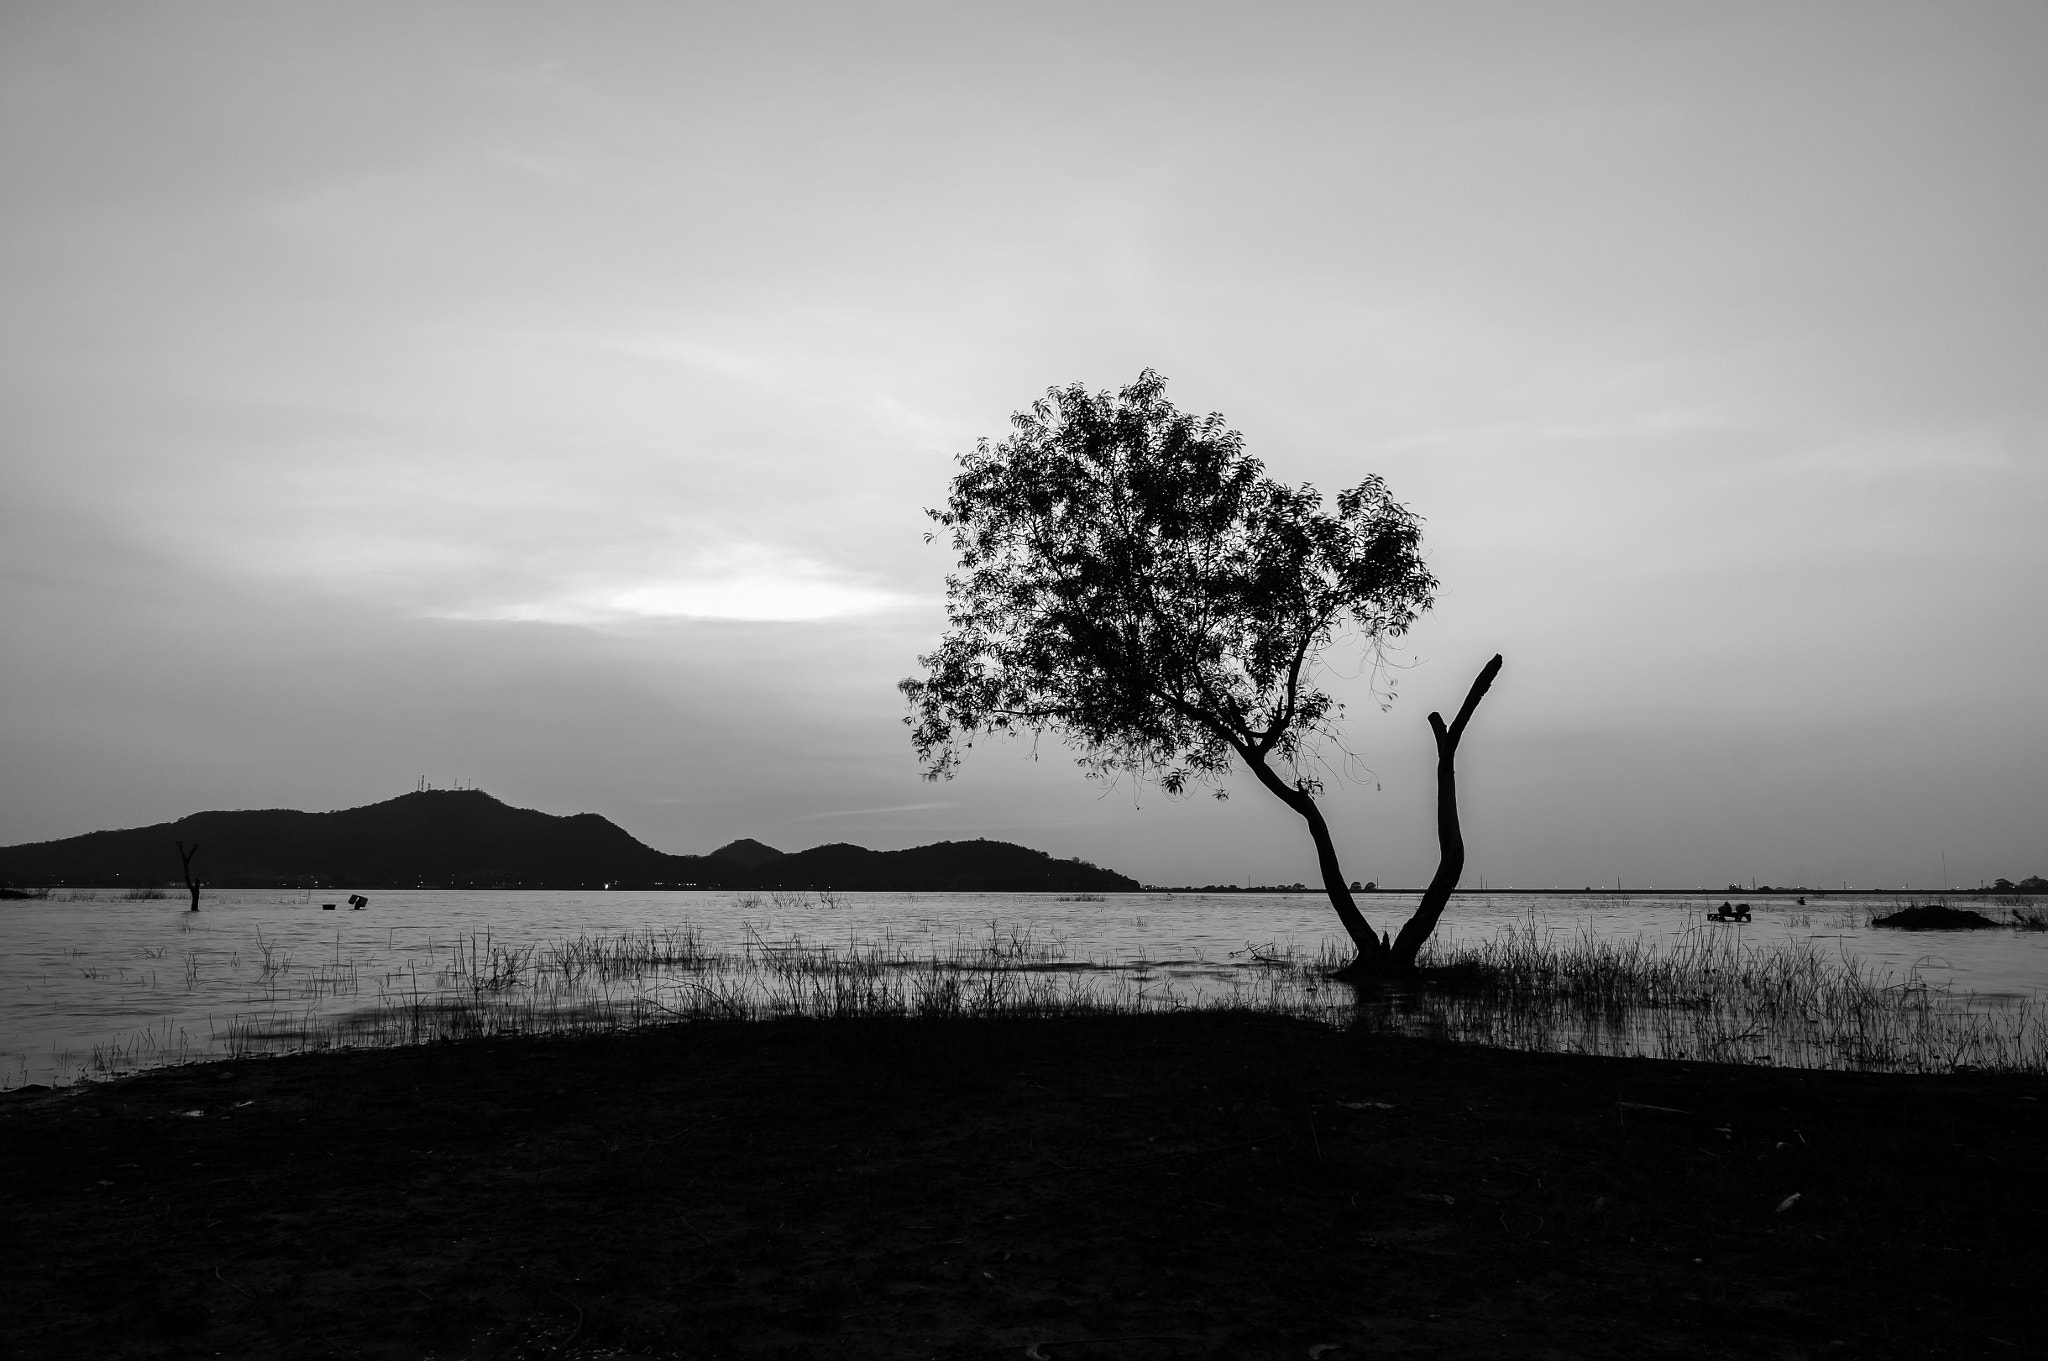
(1706, 995)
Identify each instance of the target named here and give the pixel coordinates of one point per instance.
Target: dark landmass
(466, 839)
(1195, 1185)
(1934, 917)
(746, 853)
(1264, 888)
(950, 866)
(434, 838)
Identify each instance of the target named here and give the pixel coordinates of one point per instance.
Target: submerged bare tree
(1130, 578)
(191, 884)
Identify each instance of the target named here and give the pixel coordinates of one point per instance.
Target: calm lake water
(93, 983)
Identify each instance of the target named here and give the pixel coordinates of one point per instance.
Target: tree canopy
(1130, 578)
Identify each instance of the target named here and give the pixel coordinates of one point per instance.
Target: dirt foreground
(1173, 1186)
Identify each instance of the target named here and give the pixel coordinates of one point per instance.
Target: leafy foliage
(1130, 577)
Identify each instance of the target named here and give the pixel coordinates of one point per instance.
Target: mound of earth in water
(1934, 917)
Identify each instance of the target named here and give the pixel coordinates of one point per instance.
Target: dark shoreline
(1207, 1184)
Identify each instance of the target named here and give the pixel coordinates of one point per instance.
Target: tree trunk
(1450, 843)
(1372, 949)
(191, 884)
(1377, 955)
(1450, 838)
(1370, 945)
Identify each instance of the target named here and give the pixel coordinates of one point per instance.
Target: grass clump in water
(1704, 996)
(1710, 997)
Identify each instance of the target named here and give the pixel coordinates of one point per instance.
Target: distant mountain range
(467, 839)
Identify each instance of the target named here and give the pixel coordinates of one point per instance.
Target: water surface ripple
(97, 983)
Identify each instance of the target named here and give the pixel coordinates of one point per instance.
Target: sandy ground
(1182, 1186)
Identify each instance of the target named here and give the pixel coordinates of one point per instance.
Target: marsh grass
(798, 900)
(1705, 995)
(1710, 996)
(154, 1046)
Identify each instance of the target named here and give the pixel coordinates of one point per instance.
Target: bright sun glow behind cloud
(756, 597)
(752, 583)
(765, 598)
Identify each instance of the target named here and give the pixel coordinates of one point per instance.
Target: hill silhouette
(746, 852)
(444, 838)
(439, 838)
(949, 866)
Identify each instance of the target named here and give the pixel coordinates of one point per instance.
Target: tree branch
(1472, 698)
(1285, 717)
(1450, 836)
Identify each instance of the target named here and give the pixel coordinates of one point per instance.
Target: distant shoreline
(1630, 892)
(153, 892)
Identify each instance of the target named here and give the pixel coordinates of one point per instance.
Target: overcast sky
(545, 397)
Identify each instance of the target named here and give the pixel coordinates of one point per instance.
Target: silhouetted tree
(191, 884)
(1129, 577)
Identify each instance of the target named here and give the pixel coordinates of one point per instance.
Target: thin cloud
(759, 599)
(748, 582)
(865, 812)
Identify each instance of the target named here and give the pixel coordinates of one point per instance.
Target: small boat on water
(1725, 913)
